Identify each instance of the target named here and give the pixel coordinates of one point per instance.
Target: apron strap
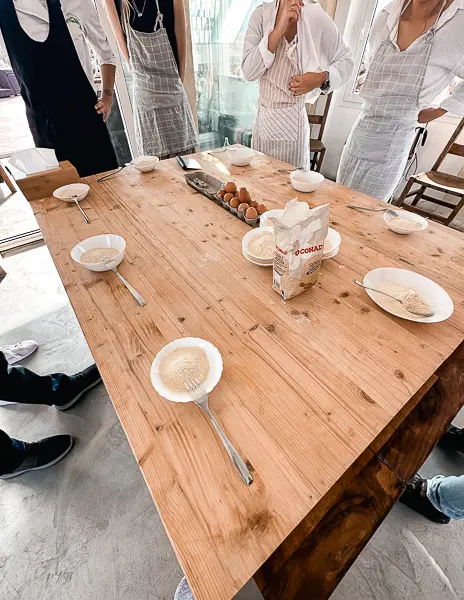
(159, 17)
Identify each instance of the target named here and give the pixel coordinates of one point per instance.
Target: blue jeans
(447, 495)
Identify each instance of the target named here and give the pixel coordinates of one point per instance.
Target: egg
(234, 202)
(228, 197)
(253, 203)
(221, 193)
(244, 195)
(261, 209)
(243, 207)
(251, 213)
(230, 188)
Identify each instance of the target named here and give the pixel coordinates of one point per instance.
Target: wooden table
(312, 390)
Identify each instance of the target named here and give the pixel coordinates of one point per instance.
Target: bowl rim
(85, 190)
(247, 238)
(413, 217)
(76, 247)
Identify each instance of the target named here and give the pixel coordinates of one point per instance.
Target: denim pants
(18, 384)
(447, 495)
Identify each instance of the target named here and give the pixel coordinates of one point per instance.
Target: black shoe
(80, 384)
(415, 497)
(453, 439)
(42, 454)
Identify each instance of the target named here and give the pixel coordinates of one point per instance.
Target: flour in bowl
(262, 245)
(96, 255)
(405, 223)
(407, 297)
(182, 365)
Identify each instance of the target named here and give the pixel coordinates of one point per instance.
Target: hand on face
(290, 14)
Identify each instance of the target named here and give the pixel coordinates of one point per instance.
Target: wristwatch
(326, 85)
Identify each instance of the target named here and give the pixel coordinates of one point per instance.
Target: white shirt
(83, 24)
(446, 59)
(320, 46)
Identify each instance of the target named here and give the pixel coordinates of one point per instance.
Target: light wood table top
(307, 384)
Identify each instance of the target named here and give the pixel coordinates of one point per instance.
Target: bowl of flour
(183, 360)
(258, 246)
(407, 222)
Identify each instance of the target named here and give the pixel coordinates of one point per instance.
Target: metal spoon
(404, 302)
(86, 218)
(389, 211)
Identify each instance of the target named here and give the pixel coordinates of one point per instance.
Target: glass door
(226, 103)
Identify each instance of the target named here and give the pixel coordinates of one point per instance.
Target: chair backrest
(452, 147)
(321, 119)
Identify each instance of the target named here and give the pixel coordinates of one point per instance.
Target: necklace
(135, 8)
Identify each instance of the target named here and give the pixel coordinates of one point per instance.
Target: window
(226, 103)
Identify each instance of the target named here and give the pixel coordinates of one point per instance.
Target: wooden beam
(326, 554)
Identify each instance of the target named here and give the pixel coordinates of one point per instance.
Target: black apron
(58, 96)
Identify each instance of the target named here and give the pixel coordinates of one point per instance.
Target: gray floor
(87, 528)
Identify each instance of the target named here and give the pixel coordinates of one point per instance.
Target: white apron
(377, 150)
(281, 128)
(164, 124)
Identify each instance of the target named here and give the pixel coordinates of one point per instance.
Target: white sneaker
(19, 351)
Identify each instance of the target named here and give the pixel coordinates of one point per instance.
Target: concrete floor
(87, 528)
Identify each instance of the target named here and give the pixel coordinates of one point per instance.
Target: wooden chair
(316, 146)
(4, 177)
(437, 180)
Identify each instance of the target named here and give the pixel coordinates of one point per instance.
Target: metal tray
(204, 183)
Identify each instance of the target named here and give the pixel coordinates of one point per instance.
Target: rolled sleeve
(95, 35)
(267, 56)
(454, 103)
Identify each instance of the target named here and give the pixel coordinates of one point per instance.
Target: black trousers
(18, 384)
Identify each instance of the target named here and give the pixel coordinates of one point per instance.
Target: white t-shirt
(83, 23)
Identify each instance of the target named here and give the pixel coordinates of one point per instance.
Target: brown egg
(228, 197)
(243, 207)
(234, 202)
(230, 187)
(261, 209)
(221, 193)
(244, 195)
(251, 213)
(253, 203)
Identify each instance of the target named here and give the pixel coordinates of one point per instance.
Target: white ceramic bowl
(241, 157)
(66, 192)
(264, 220)
(262, 262)
(214, 375)
(306, 181)
(332, 244)
(428, 290)
(145, 164)
(410, 216)
(107, 240)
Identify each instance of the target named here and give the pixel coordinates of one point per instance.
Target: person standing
(416, 50)
(62, 108)
(152, 37)
(296, 52)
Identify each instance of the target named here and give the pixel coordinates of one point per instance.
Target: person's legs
(18, 457)
(447, 495)
(18, 384)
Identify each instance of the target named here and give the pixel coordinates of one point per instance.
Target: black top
(146, 23)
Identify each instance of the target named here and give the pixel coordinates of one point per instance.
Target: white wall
(343, 114)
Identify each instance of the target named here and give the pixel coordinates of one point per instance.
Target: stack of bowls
(256, 260)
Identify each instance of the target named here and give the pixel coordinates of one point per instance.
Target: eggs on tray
(240, 203)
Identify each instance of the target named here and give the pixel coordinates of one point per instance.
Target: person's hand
(290, 15)
(302, 84)
(430, 114)
(104, 106)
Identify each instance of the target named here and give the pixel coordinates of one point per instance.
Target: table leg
(6, 178)
(316, 556)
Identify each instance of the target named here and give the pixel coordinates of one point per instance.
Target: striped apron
(281, 128)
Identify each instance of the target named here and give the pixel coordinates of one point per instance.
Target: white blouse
(446, 59)
(83, 24)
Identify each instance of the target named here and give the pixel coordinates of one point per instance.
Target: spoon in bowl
(411, 301)
(389, 211)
